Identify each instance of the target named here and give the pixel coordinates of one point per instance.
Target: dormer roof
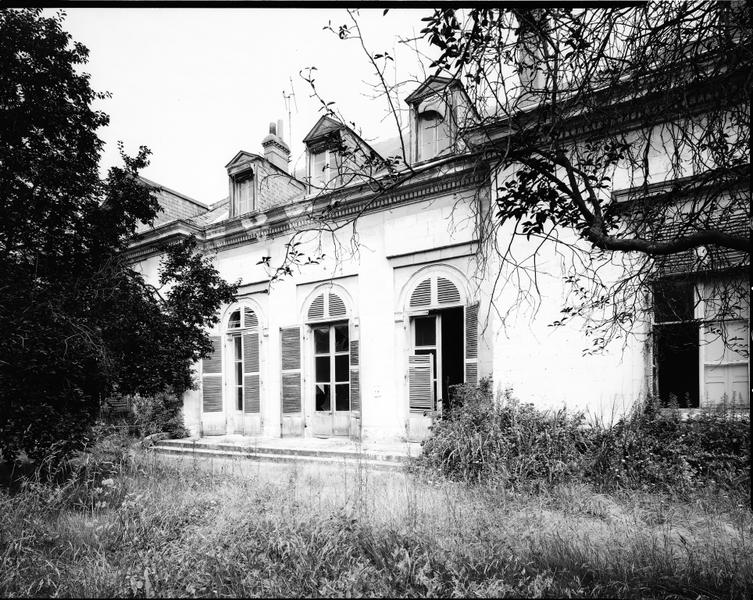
(242, 156)
(324, 126)
(433, 85)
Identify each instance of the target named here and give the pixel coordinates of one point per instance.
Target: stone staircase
(311, 451)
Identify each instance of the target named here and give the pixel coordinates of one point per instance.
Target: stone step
(344, 453)
(250, 453)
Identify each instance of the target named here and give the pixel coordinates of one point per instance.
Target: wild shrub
(515, 444)
(509, 440)
(661, 448)
(158, 413)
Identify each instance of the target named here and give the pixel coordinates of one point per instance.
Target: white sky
(197, 85)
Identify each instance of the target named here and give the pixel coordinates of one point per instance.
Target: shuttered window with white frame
(211, 378)
(290, 361)
(471, 343)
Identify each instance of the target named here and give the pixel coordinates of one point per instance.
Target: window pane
(321, 340)
(674, 301)
(322, 397)
(318, 168)
(238, 373)
(428, 125)
(322, 369)
(341, 368)
(726, 342)
(239, 399)
(237, 346)
(426, 331)
(235, 320)
(342, 397)
(341, 338)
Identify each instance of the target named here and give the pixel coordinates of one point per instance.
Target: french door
(235, 412)
(331, 379)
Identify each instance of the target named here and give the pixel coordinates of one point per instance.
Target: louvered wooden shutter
(471, 343)
(249, 318)
(336, 306)
(447, 293)
(316, 310)
(420, 382)
(251, 376)
(290, 348)
(211, 378)
(421, 296)
(355, 379)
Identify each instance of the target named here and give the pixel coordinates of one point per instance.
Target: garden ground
(161, 526)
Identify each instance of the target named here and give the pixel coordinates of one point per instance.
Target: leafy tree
(76, 323)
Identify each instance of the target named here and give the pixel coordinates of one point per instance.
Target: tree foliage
(622, 136)
(619, 143)
(76, 322)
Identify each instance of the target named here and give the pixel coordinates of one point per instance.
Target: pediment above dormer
(242, 161)
(323, 128)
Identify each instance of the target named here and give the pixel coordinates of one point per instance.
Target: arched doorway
(442, 344)
(331, 349)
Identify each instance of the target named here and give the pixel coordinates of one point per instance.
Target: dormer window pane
(319, 175)
(243, 193)
(245, 197)
(433, 136)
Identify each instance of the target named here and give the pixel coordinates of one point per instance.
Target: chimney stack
(276, 150)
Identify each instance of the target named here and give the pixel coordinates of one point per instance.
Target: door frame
(337, 423)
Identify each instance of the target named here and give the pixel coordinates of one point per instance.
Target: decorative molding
(429, 255)
(279, 220)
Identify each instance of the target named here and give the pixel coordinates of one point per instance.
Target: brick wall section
(275, 188)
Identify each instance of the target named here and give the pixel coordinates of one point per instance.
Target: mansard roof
(174, 206)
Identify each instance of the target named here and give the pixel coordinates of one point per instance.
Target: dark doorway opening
(452, 352)
(677, 364)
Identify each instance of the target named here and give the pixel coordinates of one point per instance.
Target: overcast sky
(197, 85)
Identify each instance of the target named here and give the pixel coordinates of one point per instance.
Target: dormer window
(440, 112)
(242, 192)
(319, 169)
(433, 135)
(324, 171)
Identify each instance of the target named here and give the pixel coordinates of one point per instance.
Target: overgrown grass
(123, 523)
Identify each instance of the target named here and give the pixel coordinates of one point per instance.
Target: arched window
(443, 340)
(332, 350)
(326, 305)
(241, 369)
(433, 291)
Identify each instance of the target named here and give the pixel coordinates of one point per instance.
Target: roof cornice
(443, 176)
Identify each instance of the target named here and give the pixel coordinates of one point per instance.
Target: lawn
(181, 527)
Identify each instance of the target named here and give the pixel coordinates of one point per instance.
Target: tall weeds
(518, 445)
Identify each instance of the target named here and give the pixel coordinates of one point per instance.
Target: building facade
(389, 298)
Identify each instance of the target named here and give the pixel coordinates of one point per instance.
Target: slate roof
(174, 205)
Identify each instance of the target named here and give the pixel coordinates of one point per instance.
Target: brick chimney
(276, 150)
